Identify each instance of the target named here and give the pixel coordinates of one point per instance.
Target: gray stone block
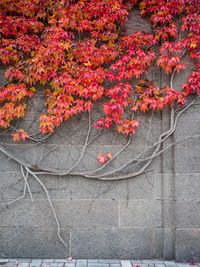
(157, 185)
(168, 244)
(82, 188)
(187, 245)
(141, 187)
(12, 186)
(17, 214)
(96, 213)
(192, 128)
(58, 187)
(8, 164)
(64, 157)
(168, 213)
(3, 79)
(168, 155)
(191, 116)
(140, 213)
(168, 186)
(33, 242)
(134, 23)
(57, 157)
(20, 151)
(187, 186)
(187, 214)
(76, 213)
(71, 132)
(112, 243)
(185, 73)
(187, 157)
(158, 243)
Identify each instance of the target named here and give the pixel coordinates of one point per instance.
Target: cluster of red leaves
(102, 158)
(155, 98)
(73, 46)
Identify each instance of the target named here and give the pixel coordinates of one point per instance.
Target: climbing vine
(79, 53)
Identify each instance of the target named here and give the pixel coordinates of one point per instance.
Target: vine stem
(50, 203)
(21, 197)
(26, 182)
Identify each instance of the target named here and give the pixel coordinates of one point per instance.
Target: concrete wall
(155, 215)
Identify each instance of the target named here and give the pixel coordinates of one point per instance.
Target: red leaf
(102, 159)
(109, 156)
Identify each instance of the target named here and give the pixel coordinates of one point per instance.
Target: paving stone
(24, 260)
(109, 261)
(47, 260)
(92, 264)
(115, 265)
(151, 261)
(36, 263)
(13, 260)
(46, 264)
(23, 264)
(56, 264)
(81, 263)
(159, 265)
(69, 264)
(170, 263)
(60, 260)
(136, 262)
(126, 264)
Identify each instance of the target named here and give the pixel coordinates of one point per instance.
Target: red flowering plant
(74, 47)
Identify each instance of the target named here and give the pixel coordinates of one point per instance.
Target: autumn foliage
(74, 48)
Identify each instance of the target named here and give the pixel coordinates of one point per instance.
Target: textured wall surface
(154, 215)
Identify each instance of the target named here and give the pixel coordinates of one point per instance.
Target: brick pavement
(90, 263)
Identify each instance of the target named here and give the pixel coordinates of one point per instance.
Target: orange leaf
(109, 156)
